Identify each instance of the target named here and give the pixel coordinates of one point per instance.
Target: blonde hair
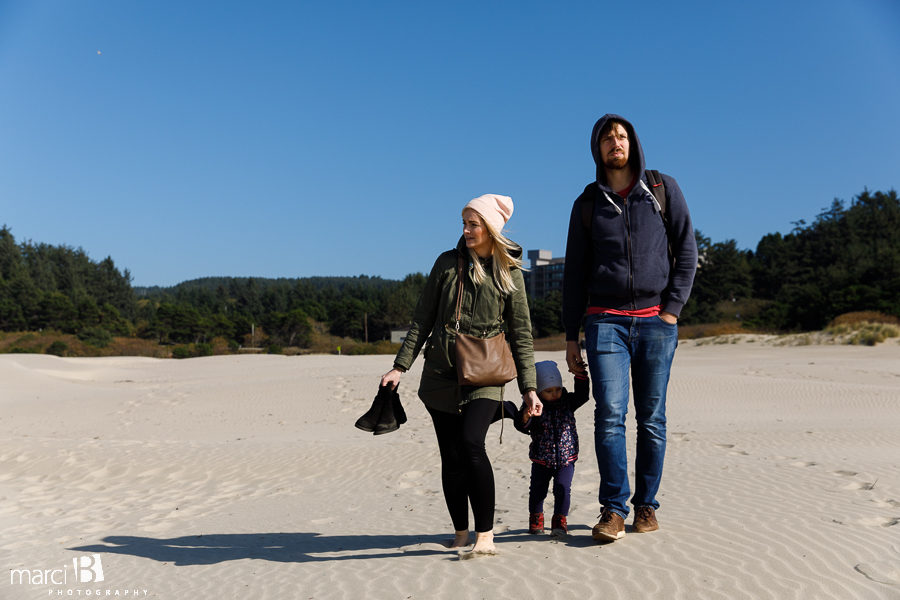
(503, 261)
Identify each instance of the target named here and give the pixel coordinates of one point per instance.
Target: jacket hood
(516, 252)
(635, 152)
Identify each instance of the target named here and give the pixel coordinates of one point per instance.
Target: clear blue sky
(289, 139)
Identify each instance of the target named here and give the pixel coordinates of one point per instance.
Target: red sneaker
(536, 523)
(558, 525)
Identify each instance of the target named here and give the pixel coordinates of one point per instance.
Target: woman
(493, 294)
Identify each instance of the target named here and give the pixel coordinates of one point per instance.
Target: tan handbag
(481, 361)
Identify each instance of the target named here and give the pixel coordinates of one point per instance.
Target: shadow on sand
(301, 547)
(277, 547)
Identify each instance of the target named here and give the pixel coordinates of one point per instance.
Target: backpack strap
(658, 189)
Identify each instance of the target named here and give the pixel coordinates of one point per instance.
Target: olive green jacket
(485, 312)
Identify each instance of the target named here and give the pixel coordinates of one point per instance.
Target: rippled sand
(243, 476)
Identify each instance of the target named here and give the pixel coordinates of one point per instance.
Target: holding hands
(533, 405)
(574, 359)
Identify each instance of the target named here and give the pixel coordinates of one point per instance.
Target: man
(629, 269)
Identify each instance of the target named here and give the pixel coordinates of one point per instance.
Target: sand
(243, 477)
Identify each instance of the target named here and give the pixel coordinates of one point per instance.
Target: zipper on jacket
(630, 253)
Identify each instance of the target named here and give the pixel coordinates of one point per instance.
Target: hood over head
(635, 153)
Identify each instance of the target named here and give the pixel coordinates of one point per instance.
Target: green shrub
(203, 349)
(839, 329)
(193, 350)
(863, 333)
(181, 352)
(21, 350)
(57, 348)
(95, 336)
(870, 334)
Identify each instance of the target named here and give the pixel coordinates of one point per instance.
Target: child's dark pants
(540, 483)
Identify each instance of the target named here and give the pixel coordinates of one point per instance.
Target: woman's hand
(391, 378)
(533, 403)
(574, 359)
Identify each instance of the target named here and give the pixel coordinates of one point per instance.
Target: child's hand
(526, 414)
(574, 359)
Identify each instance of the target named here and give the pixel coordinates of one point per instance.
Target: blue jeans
(615, 344)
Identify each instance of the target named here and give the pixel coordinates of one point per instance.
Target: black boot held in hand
(399, 413)
(368, 421)
(385, 415)
(387, 420)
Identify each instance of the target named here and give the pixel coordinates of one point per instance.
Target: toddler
(554, 445)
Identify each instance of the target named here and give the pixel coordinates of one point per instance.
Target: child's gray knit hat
(547, 375)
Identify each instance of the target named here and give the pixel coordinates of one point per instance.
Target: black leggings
(466, 473)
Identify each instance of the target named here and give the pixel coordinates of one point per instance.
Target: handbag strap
(459, 292)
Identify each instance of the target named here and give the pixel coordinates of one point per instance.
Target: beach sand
(243, 477)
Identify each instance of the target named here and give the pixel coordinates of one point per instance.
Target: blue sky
(292, 139)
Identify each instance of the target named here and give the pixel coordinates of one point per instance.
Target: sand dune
(243, 476)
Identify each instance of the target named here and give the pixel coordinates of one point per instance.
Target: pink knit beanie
(495, 209)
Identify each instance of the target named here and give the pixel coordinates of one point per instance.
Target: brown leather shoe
(645, 519)
(610, 528)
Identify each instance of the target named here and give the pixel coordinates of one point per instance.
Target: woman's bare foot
(484, 546)
(484, 543)
(460, 539)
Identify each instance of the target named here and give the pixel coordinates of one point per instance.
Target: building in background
(545, 274)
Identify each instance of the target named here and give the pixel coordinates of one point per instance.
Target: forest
(847, 259)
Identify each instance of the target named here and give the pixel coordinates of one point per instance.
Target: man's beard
(616, 163)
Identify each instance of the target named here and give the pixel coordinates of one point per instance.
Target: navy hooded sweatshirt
(623, 262)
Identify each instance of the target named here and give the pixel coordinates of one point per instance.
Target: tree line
(847, 259)
(58, 287)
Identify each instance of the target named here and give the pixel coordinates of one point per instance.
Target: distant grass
(869, 316)
(864, 328)
(692, 332)
(552, 343)
(857, 328)
(64, 344)
(863, 333)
